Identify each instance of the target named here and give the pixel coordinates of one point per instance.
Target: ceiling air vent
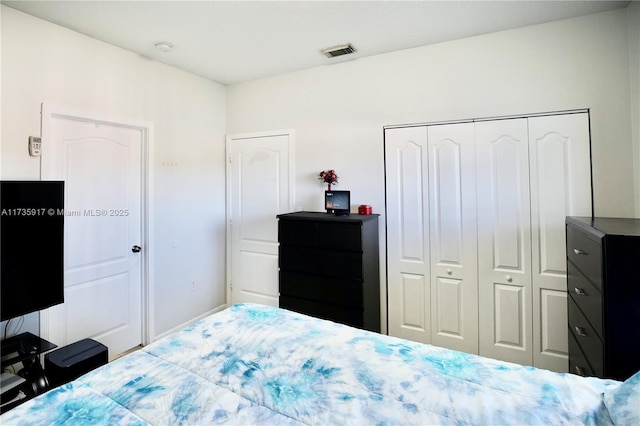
(343, 49)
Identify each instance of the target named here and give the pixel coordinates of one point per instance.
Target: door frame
(290, 133)
(50, 111)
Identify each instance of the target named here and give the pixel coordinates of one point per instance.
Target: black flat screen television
(338, 202)
(32, 246)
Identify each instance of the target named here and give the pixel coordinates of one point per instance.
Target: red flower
(328, 176)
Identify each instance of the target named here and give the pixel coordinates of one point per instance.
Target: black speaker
(72, 361)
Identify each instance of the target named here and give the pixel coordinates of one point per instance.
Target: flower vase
(328, 187)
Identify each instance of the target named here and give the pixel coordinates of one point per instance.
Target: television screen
(31, 246)
(337, 201)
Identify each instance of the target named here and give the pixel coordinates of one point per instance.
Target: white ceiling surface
(234, 41)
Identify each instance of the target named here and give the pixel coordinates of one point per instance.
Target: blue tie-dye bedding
(252, 364)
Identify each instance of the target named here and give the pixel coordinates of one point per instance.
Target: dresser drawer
(586, 296)
(340, 236)
(313, 287)
(352, 317)
(586, 338)
(297, 232)
(577, 361)
(326, 263)
(328, 235)
(586, 254)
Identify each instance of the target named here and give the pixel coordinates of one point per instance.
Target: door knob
(135, 249)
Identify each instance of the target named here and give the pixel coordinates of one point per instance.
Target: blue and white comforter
(252, 364)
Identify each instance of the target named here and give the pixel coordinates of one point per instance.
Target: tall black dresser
(329, 267)
(603, 279)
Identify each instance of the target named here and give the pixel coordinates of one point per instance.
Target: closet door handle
(579, 370)
(578, 251)
(580, 331)
(579, 291)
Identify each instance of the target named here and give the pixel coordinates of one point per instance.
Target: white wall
(633, 26)
(338, 111)
(42, 62)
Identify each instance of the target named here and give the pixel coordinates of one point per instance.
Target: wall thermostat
(35, 146)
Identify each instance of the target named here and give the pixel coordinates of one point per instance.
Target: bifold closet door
(532, 173)
(452, 235)
(560, 174)
(408, 269)
(431, 235)
(475, 233)
(504, 240)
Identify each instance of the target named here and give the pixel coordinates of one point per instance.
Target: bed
(252, 364)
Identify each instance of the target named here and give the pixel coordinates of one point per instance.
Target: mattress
(252, 364)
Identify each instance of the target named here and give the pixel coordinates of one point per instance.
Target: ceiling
(236, 41)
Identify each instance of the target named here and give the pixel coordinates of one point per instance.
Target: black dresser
(329, 267)
(603, 281)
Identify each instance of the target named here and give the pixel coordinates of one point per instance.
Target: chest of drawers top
(326, 218)
(598, 227)
(329, 217)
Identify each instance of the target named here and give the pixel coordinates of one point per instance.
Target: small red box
(364, 209)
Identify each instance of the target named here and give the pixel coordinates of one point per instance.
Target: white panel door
(504, 240)
(261, 187)
(407, 213)
(101, 166)
(560, 186)
(453, 236)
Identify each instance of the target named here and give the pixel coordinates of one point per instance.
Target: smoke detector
(164, 46)
(343, 49)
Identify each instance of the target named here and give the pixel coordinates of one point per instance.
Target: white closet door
(504, 240)
(453, 236)
(408, 233)
(560, 176)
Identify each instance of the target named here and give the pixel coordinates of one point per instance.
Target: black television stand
(25, 349)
